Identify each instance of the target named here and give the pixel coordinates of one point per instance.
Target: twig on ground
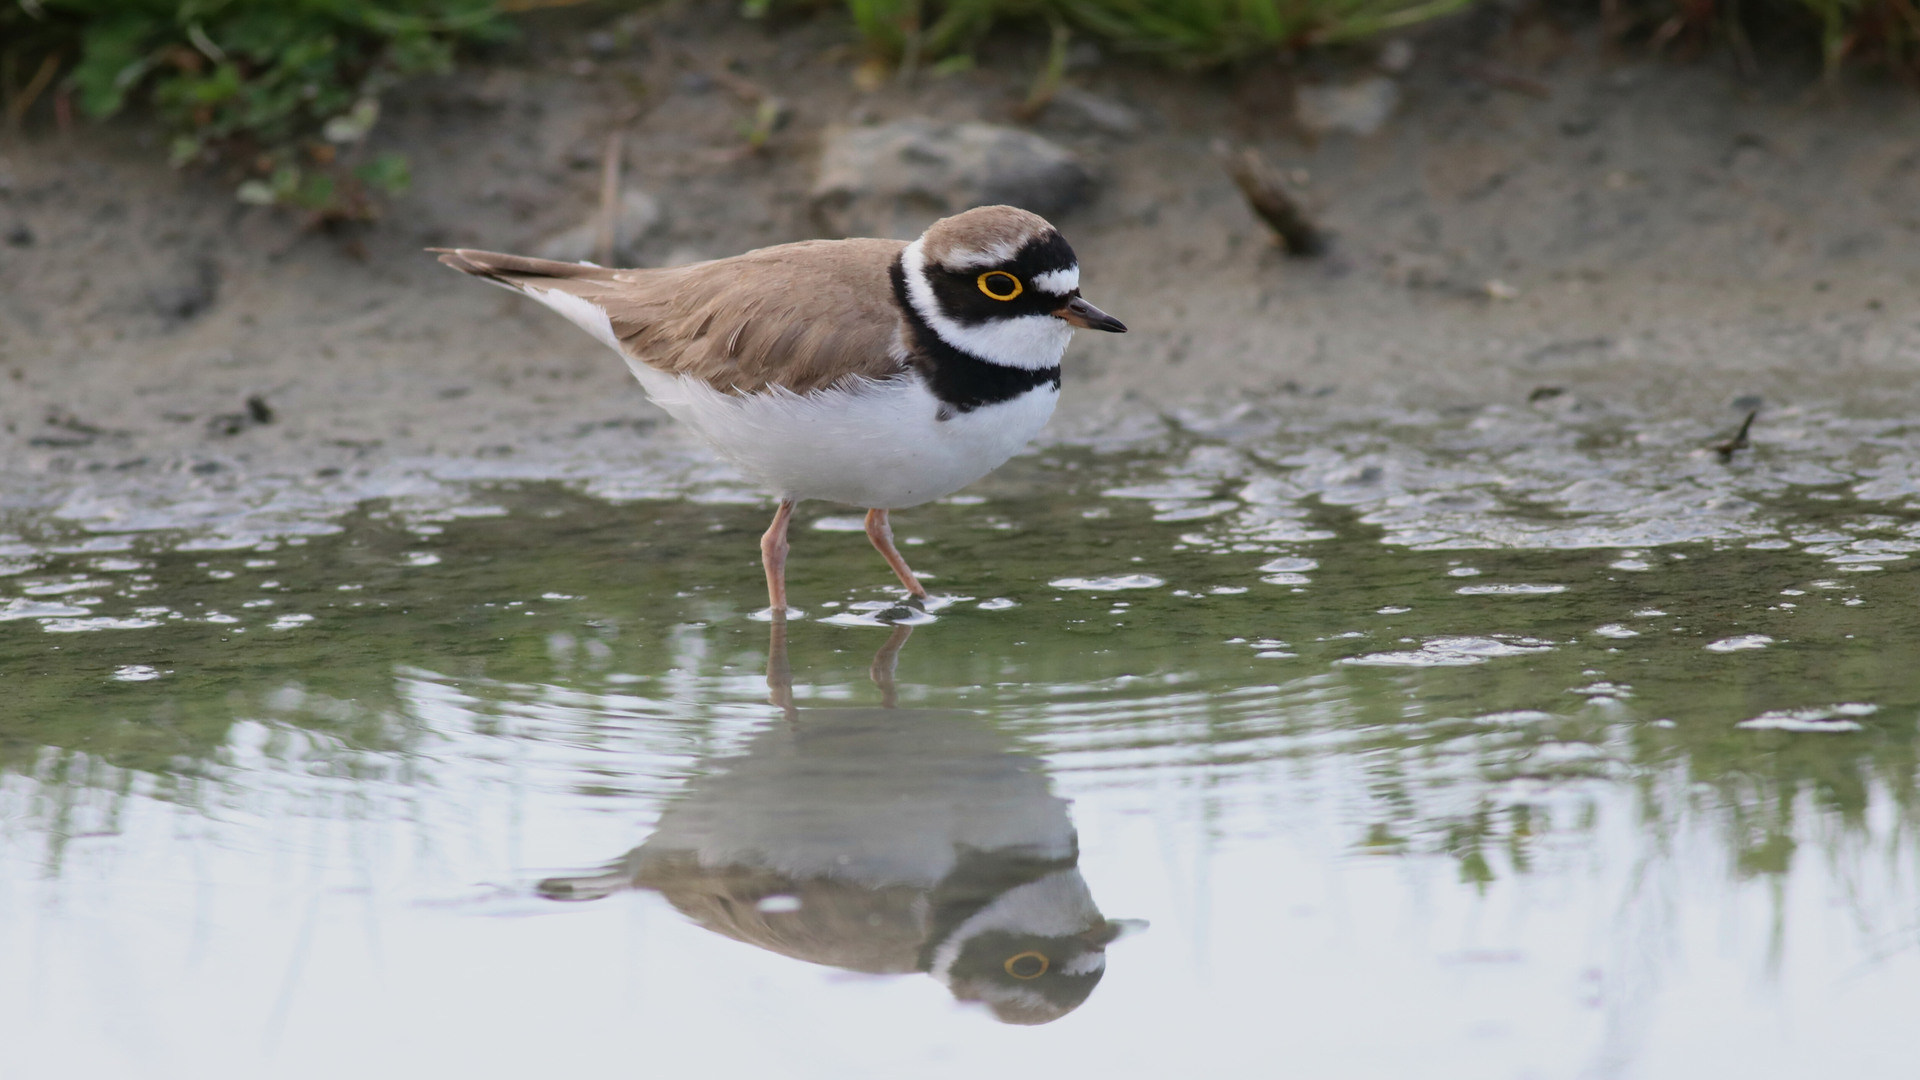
(1739, 441)
(1507, 80)
(1047, 83)
(606, 238)
(770, 111)
(1268, 197)
(739, 85)
(17, 108)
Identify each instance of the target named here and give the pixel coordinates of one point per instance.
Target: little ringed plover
(875, 373)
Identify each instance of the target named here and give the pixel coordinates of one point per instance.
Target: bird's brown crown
(984, 236)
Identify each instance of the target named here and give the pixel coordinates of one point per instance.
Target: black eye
(1026, 965)
(1000, 285)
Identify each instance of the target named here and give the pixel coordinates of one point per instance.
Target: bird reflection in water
(885, 841)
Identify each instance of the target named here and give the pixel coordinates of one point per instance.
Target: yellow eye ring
(1029, 954)
(1007, 290)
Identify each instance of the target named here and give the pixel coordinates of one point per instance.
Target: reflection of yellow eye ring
(1029, 954)
(1007, 291)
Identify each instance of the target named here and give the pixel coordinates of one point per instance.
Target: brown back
(800, 316)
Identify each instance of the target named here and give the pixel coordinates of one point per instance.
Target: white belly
(881, 445)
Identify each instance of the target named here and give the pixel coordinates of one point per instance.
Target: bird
(885, 841)
(881, 374)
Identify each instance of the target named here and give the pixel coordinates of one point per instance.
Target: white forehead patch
(1058, 282)
(992, 255)
(1085, 964)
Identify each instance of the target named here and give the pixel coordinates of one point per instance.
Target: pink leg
(881, 534)
(779, 671)
(773, 556)
(883, 664)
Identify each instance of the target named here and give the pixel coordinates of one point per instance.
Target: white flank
(875, 444)
(1027, 342)
(1058, 282)
(584, 314)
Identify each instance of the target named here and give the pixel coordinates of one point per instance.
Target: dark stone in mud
(227, 425)
(1076, 109)
(187, 292)
(892, 179)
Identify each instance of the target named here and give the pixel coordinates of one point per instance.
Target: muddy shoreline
(1669, 242)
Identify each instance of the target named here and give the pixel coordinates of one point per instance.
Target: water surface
(1518, 754)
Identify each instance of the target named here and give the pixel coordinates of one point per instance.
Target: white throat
(1027, 342)
(1057, 905)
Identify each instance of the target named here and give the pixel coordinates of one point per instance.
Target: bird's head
(1000, 284)
(1033, 953)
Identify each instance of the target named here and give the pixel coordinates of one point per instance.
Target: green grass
(1882, 33)
(283, 92)
(1189, 32)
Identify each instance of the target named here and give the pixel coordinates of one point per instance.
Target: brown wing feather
(800, 316)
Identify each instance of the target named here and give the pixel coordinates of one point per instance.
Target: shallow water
(1495, 752)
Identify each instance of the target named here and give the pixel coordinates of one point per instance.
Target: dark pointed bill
(1084, 315)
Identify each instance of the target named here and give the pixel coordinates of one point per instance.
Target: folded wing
(799, 316)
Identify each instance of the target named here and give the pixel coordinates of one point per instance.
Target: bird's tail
(518, 271)
(575, 290)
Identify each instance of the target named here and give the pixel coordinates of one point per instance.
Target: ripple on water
(1451, 652)
(1289, 566)
(1510, 590)
(1111, 583)
(62, 588)
(1828, 719)
(1515, 718)
(1742, 643)
(37, 609)
(82, 626)
(881, 613)
(839, 524)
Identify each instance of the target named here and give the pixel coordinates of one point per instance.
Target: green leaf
(183, 150)
(113, 59)
(388, 173)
